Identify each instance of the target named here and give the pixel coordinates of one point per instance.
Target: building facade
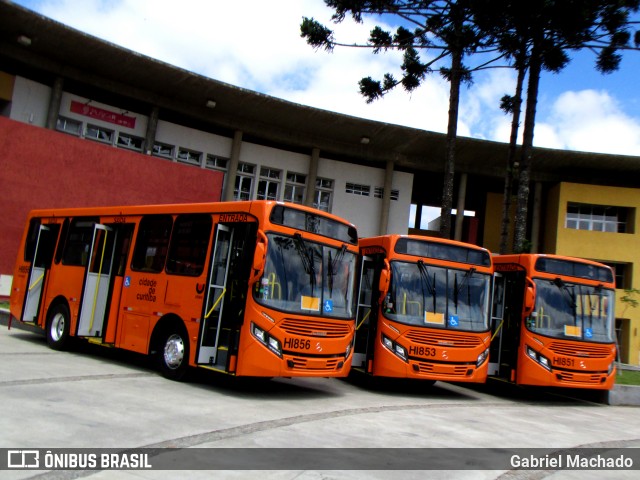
(105, 109)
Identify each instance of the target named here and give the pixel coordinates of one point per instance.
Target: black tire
(58, 327)
(173, 354)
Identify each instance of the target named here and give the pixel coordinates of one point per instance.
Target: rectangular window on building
(130, 142)
(68, 125)
(358, 189)
(323, 194)
(100, 134)
(295, 187)
(215, 162)
(244, 182)
(598, 218)
(268, 184)
(163, 150)
(189, 156)
(622, 274)
(378, 192)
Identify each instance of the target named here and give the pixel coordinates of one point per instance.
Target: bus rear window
(311, 222)
(151, 244)
(189, 243)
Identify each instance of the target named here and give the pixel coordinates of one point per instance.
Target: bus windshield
(430, 296)
(573, 311)
(305, 277)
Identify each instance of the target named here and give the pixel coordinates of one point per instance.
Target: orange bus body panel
(573, 363)
(435, 354)
(140, 304)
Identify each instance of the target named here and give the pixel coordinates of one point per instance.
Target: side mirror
(385, 276)
(529, 297)
(259, 257)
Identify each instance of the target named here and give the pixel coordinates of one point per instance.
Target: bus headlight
(482, 357)
(396, 348)
(611, 367)
(267, 340)
(538, 358)
(346, 355)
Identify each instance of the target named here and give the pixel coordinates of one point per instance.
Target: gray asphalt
(101, 398)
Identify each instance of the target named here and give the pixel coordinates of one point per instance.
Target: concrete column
(232, 167)
(152, 127)
(54, 103)
(462, 192)
(386, 199)
(311, 177)
(535, 218)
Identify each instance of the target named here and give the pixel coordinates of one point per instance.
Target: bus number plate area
(296, 344)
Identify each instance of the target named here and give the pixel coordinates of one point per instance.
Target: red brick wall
(40, 168)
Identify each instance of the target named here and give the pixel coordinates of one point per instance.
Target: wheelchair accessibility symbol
(328, 306)
(127, 281)
(453, 321)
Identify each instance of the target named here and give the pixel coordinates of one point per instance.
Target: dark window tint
(152, 242)
(189, 242)
(78, 242)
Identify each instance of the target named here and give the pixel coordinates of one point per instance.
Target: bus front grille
(569, 377)
(446, 339)
(444, 369)
(581, 350)
(314, 365)
(315, 328)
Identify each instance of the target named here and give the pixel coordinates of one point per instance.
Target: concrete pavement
(101, 398)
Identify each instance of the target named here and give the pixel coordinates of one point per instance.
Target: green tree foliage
(442, 30)
(537, 36)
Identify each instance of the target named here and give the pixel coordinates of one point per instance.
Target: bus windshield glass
(430, 296)
(305, 277)
(572, 311)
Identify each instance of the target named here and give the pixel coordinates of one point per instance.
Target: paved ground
(100, 398)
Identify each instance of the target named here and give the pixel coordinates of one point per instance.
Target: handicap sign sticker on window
(588, 333)
(127, 281)
(328, 306)
(453, 320)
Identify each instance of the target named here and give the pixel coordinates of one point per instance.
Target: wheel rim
(57, 327)
(174, 351)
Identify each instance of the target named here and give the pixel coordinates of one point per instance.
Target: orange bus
(555, 322)
(423, 309)
(247, 288)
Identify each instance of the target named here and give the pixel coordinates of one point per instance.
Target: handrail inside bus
(216, 303)
(97, 289)
(363, 319)
(36, 282)
(497, 330)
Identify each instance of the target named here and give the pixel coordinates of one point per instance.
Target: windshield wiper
(306, 256)
(431, 286)
(332, 266)
(458, 288)
(570, 297)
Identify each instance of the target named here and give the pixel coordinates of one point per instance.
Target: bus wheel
(58, 326)
(173, 355)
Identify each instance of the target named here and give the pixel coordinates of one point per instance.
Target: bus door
(497, 322)
(97, 282)
(503, 354)
(366, 315)
(214, 302)
(42, 257)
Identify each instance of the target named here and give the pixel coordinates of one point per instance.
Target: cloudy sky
(256, 44)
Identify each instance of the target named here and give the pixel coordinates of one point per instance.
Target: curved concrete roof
(90, 63)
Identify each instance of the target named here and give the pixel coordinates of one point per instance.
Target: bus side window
(189, 243)
(152, 243)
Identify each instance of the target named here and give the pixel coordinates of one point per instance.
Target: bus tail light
(538, 358)
(396, 348)
(267, 340)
